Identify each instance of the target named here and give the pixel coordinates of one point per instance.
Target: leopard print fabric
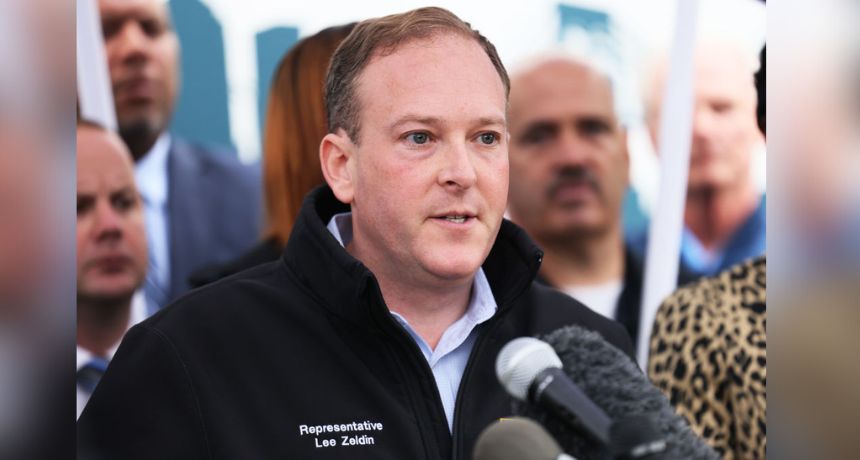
(708, 355)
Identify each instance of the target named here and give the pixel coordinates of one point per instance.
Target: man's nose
(703, 125)
(131, 43)
(458, 169)
(569, 149)
(108, 222)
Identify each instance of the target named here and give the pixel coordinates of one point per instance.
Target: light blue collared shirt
(150, 173)
(448, 360)
(747, 241)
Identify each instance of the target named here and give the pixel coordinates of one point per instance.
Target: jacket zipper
(406, 344)
(477, 350)
(457, 430)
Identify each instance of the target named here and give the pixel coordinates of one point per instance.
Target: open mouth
(457, 219)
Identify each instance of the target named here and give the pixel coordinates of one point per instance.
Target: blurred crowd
(159, 215)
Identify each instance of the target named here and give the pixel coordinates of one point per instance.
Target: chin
(111, 289)
(455, 265)
(580, 224)
(708, 182)
(139, 124)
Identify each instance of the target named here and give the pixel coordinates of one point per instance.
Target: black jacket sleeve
(145, 405)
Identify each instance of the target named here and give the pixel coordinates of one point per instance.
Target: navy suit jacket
(214, 209)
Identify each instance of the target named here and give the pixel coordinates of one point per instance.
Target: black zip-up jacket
(301, 359)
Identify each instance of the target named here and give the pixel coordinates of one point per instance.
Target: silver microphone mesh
(520, 361)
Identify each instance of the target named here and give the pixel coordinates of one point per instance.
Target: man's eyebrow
(115, 16)
(410, 118)
(540, 125)
(435, 121)
(484, 121)
(124, 190)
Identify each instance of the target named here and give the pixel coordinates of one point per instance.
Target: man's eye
(488, 138)
(123, 202)
(84, 205)
(109, 29)
(152, 28)
(592, 127)
(418, 138)
(721, 107)
(538, 135)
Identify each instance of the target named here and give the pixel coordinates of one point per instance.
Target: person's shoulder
(559, 303)
(553, 309)
(265, 251)
(253, 295)
(742, 286)
(215, 159)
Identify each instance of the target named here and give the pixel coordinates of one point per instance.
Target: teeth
(456, 219)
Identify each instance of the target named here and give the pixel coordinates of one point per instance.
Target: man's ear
(338, 164)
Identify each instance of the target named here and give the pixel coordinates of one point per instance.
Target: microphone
(517, 438)
(531, 371)
(645, 424)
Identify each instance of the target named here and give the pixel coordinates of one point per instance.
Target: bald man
(111, 252)
(724, 216)
(569, 171)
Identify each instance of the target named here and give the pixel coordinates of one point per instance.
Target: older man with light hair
(724, 215)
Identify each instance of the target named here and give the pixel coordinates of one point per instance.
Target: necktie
(155, 292)
(90, 374)
(154, 288)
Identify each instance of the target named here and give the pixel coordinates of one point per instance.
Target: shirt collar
(151, 171)
(340, 226)
(482, 304)
(138, 314)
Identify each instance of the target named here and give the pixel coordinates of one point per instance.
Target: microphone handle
(553, 389)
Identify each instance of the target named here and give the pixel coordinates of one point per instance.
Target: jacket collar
(347, 288)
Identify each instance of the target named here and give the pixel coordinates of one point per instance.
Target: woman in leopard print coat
(708, 355)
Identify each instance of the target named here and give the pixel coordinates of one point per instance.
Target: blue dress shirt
(150, 173)
(747, 242)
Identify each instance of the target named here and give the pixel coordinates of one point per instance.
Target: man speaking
(375, 336)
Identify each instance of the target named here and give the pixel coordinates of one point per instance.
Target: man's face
(111, 240)
(725, 130)
(569, 163)
(142, 52)
(430, 168)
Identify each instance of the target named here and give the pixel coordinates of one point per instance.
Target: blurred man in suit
(201, 205)
(111, 253)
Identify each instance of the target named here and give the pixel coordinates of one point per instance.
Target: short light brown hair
(382, 36)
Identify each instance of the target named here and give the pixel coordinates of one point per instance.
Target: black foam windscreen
(616, 384)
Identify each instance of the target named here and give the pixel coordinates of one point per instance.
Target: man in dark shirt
(569, 171)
